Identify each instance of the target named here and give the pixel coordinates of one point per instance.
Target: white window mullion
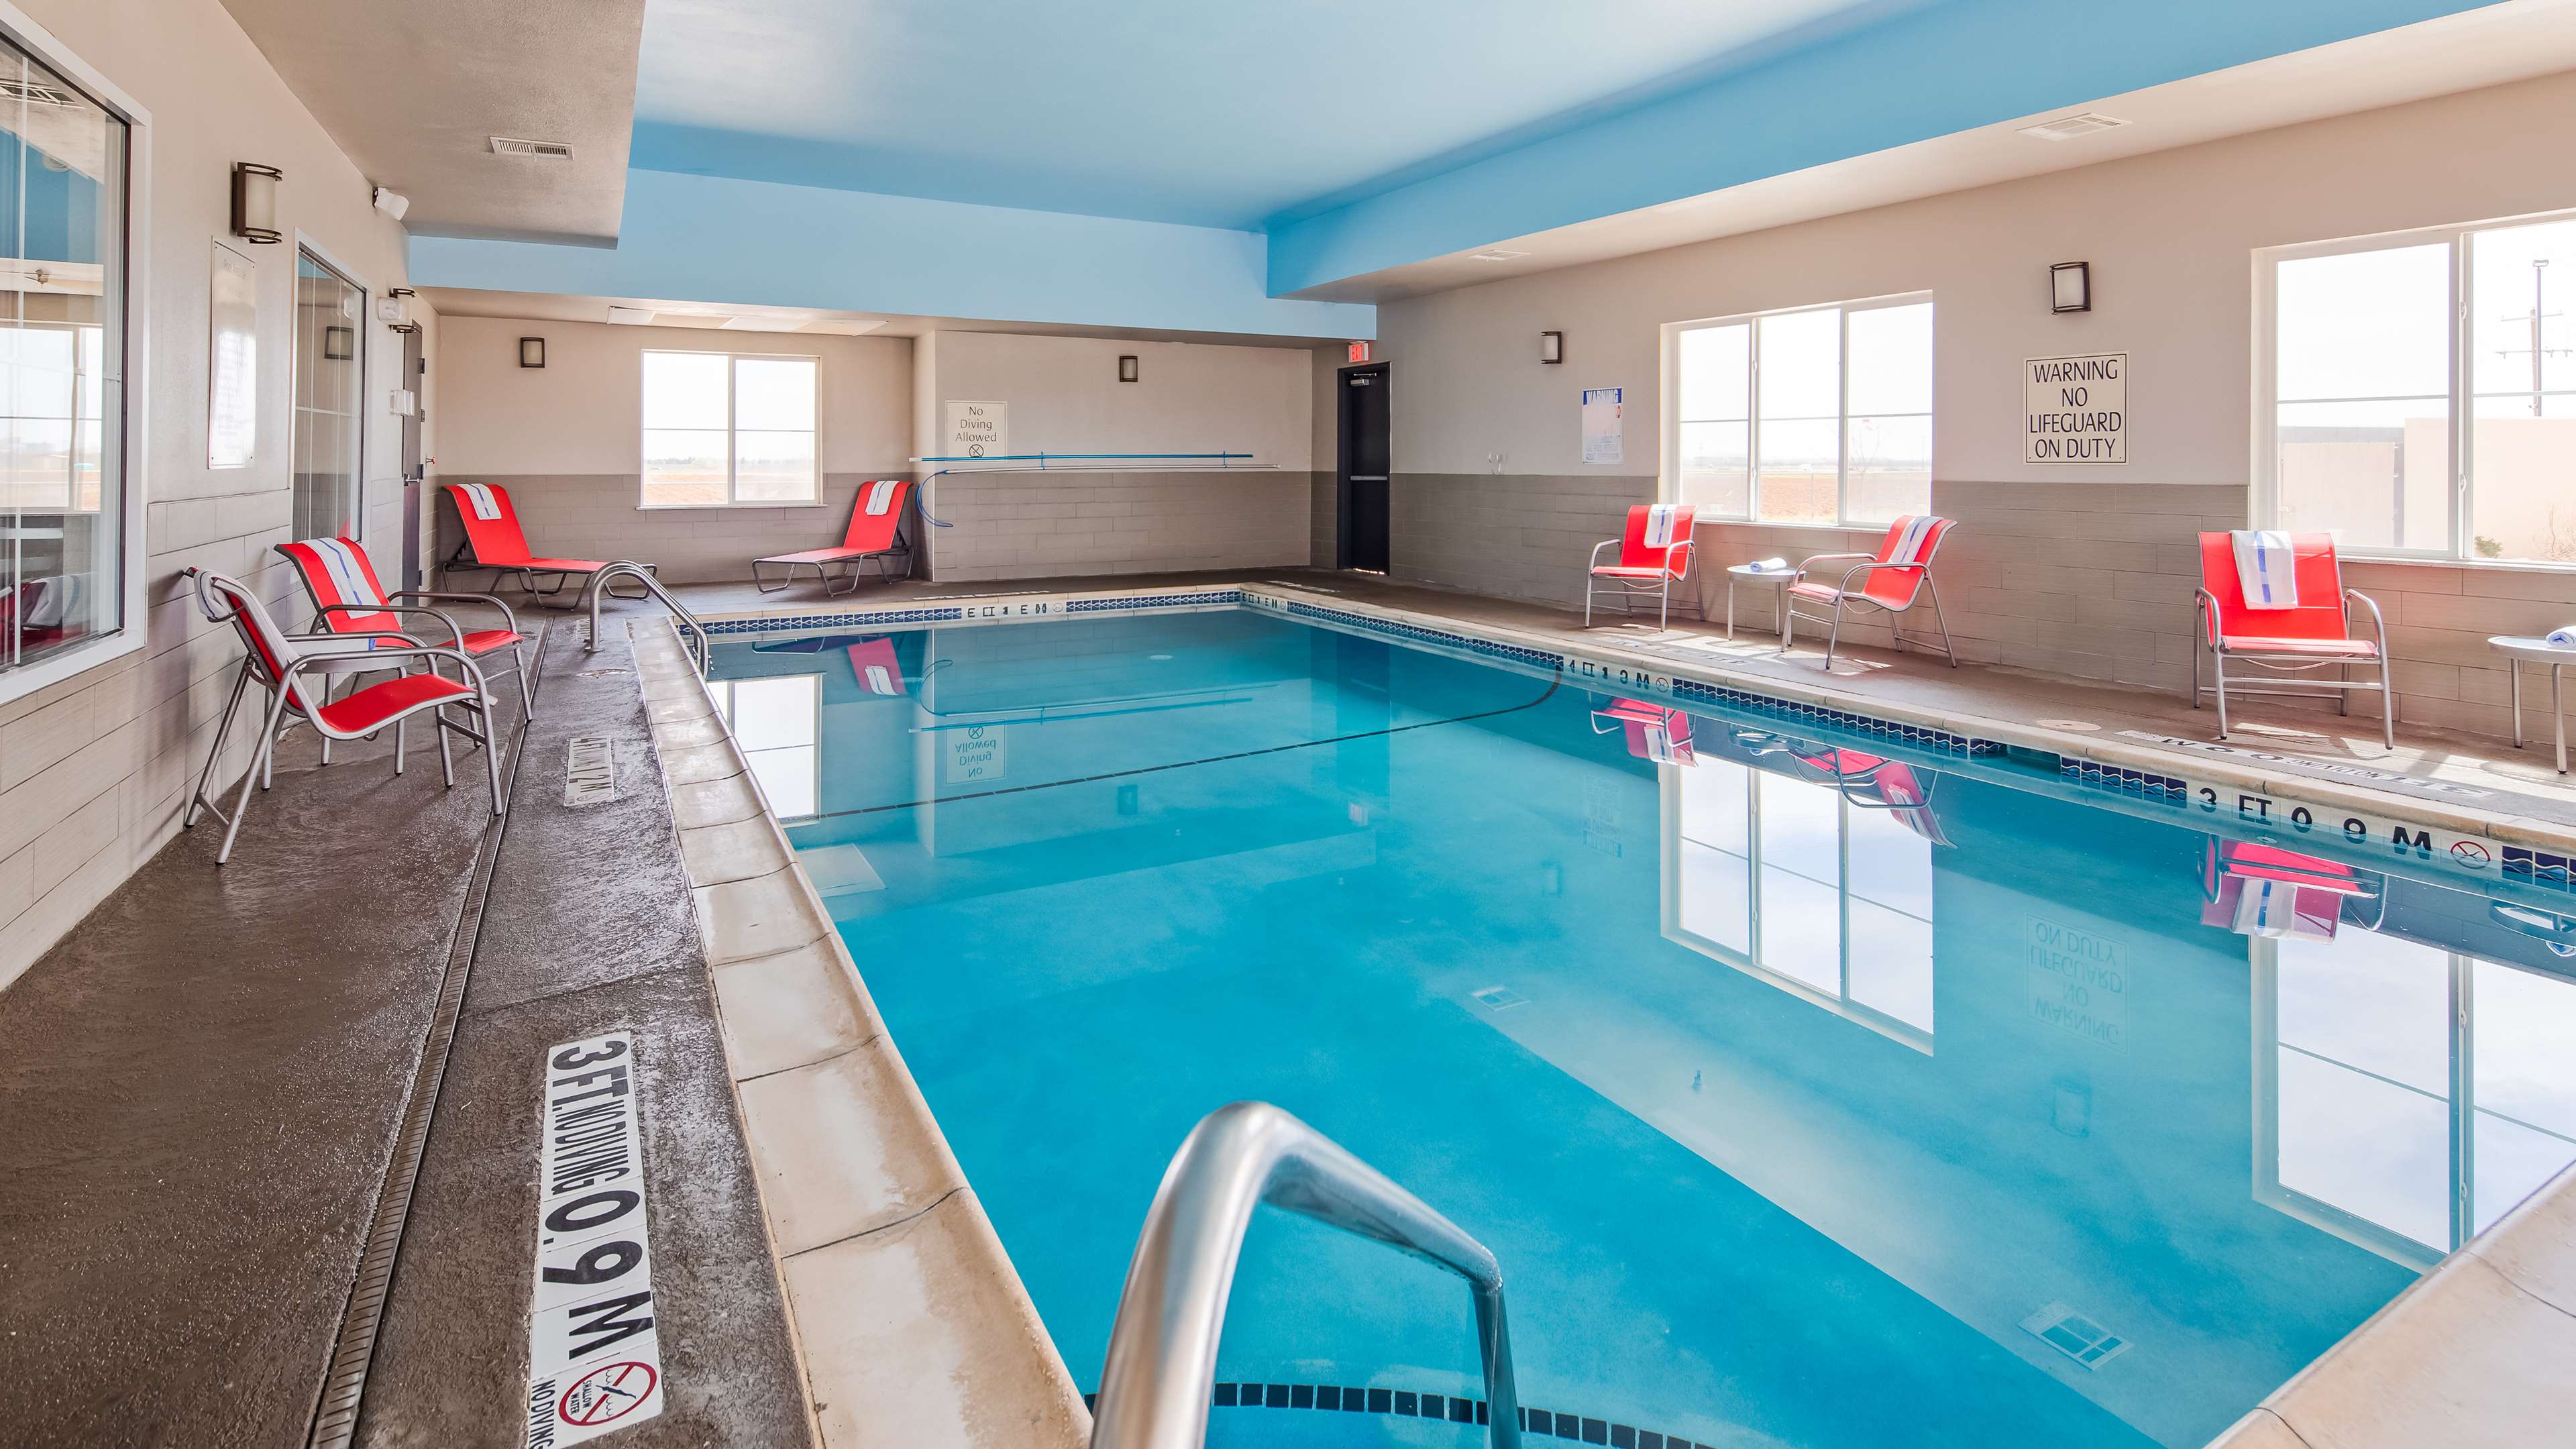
(733, 434)
(2464, 400)
(1842, 450)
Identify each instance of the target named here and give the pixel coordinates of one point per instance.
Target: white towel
(2266, 569)
(1769, 566)
(1660, 520)
(1913, 536)
(340, 560)
(881, 495)
(480, 495)
(2563, 637)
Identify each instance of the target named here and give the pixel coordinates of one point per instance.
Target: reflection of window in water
(2414, 1094)
(1822, 891)
(775, 723)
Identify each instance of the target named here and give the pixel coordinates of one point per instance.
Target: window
(777, 723)
(2414, 1094)
(64, 540)
(2423, 392)
(330, 380)
(726, 430)
(1805, 885)
(1818, 416)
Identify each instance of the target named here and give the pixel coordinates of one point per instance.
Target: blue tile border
(1153, 601)
(1918, 736)
(2121, 780)
(790, 623)
(1444, 1408)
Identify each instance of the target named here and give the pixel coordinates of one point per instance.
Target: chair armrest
(1687, 549)
(1817, 558)
(2207, 603)
(508, 618)
(416, 651)
(1596, 551)
(2378, 624)
(453, 633)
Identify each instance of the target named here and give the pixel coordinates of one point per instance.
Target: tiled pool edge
(864, 1203)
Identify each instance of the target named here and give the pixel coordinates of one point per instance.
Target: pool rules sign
(594, 1361)
(2079, 409)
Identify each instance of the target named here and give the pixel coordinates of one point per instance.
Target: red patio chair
(1643, 567)
(2263, 890)
(347, 599)
(1891, 580)
(493, 537)
(286, 664)
(872, 534)
(2316, 634)
(1654, 732)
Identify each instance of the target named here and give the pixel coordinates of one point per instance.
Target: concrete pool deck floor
(203, 1086)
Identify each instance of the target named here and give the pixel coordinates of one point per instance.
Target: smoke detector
(2067, 128)
(543, 150)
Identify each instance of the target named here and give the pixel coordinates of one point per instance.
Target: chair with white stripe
(286, 665)
(1892, 581)
(1655, 553)
(349, 601)
(875, 534)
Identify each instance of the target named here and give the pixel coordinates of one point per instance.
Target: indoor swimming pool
(1812, 1087)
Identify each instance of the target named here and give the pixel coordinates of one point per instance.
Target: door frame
(1342, 471)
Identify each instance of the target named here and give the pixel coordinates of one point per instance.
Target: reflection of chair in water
(1867, 781)
(2263, 890)
(2554, 931)
(1654, 732)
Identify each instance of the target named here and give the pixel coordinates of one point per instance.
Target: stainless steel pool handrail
(1161, 1366)
(630, 569)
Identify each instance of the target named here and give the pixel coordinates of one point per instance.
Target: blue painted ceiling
(1236, 113)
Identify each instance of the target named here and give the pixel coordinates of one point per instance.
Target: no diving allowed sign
(594, 1360)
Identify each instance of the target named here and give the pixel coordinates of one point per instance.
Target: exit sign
(1359, 352)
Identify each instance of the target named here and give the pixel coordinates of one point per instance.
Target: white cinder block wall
(2084, 571)
(94, 769)
(1064, 396)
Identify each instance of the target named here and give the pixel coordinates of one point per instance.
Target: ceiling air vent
(630, 316)
(33, 94)
(543, 150)
(1498, 254)
(2067, 128)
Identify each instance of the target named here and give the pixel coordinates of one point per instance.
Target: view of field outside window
(62, 224)
(1815, 417)
(2368, 359)
(721, 429)
(330, 380)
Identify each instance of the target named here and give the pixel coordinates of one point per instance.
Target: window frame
(1668, 481)
(2461, 460)
(307, 246)
(133, 358)
(733, 461)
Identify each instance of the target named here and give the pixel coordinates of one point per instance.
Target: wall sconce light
(1127, 367)
(255, 202)
(2070, 287)
(532, 352)
(339, 344)
(1551, 347)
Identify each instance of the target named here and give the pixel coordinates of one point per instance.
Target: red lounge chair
(1643, 568)
(1654, 733)
(2316, 634)
(1892, 579)
(872, 535)
(874, 666)
(284, 664)
(493, 536)
(347, 599)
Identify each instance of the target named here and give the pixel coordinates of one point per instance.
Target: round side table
(2517, 649)
(1776, 580)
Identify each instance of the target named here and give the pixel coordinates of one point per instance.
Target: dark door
(1366, 457)
(415, 372)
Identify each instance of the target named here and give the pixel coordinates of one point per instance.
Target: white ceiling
(414, 92)
(2491, 46)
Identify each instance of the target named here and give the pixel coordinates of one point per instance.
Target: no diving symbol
(2469, 852)
(606, 1394)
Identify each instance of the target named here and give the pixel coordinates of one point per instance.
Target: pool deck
(206, 1087)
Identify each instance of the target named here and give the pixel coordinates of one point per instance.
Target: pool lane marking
(1552, 686)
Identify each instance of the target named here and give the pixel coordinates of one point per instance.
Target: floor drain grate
(590, 771)
(2074, 1335)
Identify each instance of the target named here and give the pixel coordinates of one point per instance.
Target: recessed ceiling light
(543, 150)
(2067, 128)
(1498, 254)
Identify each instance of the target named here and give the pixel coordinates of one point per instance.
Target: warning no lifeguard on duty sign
(2079, 409)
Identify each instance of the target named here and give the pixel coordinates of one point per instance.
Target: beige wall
(2071, 569)
(93, 770)
(1065, 397)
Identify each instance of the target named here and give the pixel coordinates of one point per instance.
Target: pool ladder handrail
(1161, 1366)
(629, 568)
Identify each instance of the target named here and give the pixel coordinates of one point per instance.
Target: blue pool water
(1811, 1091)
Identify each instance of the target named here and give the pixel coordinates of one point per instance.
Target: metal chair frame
(1845, 594)
(2285, 662)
